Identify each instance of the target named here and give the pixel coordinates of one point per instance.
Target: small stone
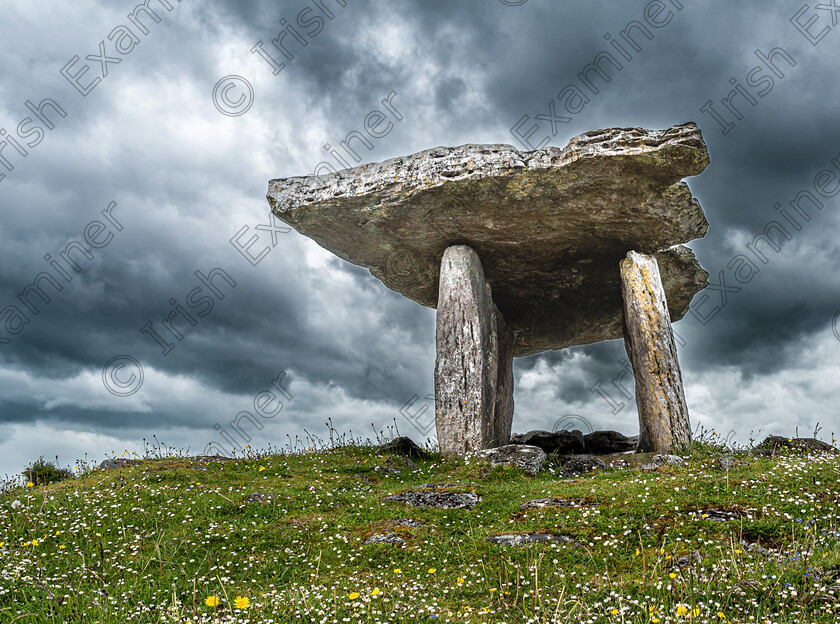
(410, 522)
(664, 460)
(756, 547)
(520, 539)
(387, 470)
(726, 462)
(684, 561)
(384, 538)
(581, 465)
(257, 497)
(529, 458)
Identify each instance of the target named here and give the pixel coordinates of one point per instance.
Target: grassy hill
(276, 537)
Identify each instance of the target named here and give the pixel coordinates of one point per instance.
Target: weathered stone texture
(473, 370)
(550, 226)
(649, 340)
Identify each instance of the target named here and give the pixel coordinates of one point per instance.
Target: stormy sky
(136, 147)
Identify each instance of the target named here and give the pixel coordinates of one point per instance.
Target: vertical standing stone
(663, 415)
(474, 365)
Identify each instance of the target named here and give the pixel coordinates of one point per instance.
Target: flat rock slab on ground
(529, 458)
(723, 515)
(410, 522)
(566, 503)
(550, 226)
(441, 500)
(582, 465)
(521, 539)
(385, 538)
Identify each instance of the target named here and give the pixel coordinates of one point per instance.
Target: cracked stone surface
(443, 500)
(550, 226)
(521, 539)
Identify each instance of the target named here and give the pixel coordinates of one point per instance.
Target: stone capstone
(550, 226)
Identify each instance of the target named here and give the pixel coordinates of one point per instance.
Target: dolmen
(521, 252)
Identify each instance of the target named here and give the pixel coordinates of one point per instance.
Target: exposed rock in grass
(410, 522)
(442, 500)
(727, 462)
(119, 462)
(257, 497)
(684, 561)
(773, 444)
(529, 458)
(555, 502)
(403, 446)
(520, 539)
(387, 470)
(581, 465)
(664, 460)
(385, 538)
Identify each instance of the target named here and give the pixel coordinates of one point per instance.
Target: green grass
(153, 542)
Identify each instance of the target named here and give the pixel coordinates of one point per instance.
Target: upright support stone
(663, 415)
(474, 365)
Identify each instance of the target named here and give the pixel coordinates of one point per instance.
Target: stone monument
(521, 252)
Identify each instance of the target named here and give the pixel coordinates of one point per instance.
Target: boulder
(403, 446)
(563, 442)
(529, 458)
(608, 442)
